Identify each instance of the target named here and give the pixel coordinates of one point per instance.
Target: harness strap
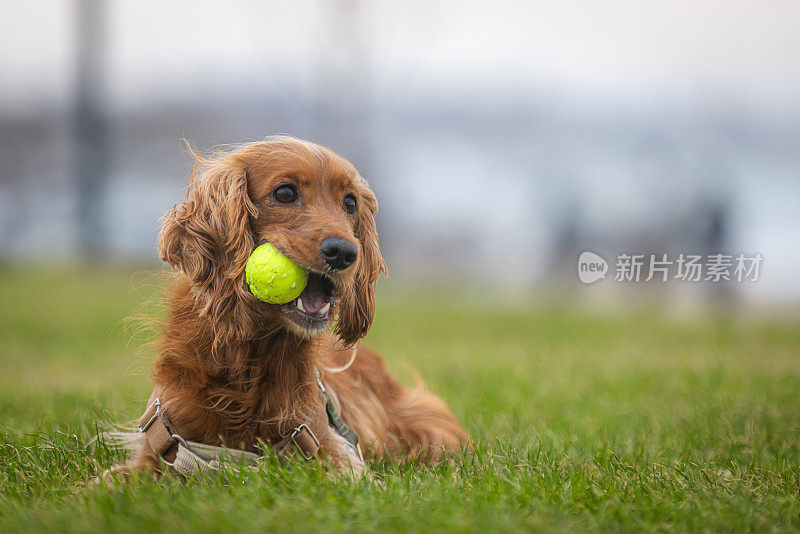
(335, 421)
(156, 428)
(191, 456)
(301, 440)
(197, 457)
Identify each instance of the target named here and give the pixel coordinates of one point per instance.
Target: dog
(234, 371)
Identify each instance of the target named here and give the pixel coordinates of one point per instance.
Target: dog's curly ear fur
(208, 237)
(357, 306)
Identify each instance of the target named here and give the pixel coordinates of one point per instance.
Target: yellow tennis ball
(272, 277)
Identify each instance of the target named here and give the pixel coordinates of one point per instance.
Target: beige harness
(192, 457)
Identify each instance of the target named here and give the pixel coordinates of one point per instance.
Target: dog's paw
(112, 476)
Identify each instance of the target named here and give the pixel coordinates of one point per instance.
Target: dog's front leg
(342, 455)
(142, 459)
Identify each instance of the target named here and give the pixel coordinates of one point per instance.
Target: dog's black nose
(338, 253)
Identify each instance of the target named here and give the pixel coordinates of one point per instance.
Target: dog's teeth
(324, 309)
(299, 304)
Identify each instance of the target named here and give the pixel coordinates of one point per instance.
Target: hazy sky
(648, 52)
(694, 56)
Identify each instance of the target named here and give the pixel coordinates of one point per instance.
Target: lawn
(581, 421)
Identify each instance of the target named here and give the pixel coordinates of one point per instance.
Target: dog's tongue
(315, 298)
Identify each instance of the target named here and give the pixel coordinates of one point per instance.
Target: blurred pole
(91, 131)
(715, 240)
(343, 102)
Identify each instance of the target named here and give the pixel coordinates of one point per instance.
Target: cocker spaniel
(235, 371)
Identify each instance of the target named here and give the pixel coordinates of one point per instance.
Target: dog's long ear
(357, 307)
(208, 237)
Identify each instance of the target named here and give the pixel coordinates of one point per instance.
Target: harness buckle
(293, 435)
(157, 404)
(181, 442)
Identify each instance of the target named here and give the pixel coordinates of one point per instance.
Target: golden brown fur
(234, 370)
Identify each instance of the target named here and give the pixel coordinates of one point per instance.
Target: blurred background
(502, 138)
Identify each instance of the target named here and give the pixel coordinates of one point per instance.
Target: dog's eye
(285, 194)
(349, 204)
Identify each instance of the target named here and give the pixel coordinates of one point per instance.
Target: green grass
(582, 422)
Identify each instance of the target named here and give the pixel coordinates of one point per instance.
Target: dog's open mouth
(310, 310)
